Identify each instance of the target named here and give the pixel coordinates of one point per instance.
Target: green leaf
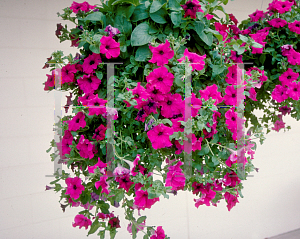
(134, 2)
(123, 25)
(94, 227)
(95, 49)
(217, 69)
(101, 234)
(99, 75)
(112, 234)
(141, 219)
(215, 160)
(175, 5)
(176, 18)
(155, 6)
(140, 13)
(262, 58)
(243, 38)
(159, 16)
(142, 53)
(207, 38)
(256, 45)
(95, 16)
(140, 35)
(125, 11)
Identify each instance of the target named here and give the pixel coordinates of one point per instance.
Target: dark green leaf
(95, 16)
(141, 219)
(140, 35)
(217, 69)
(123, 25)
(95, 49)
(262, 58)
(94, 227)
(159, 16)
(175, 5)
(134, 2)
(140, 13)
(176, 18)
(142, 53)
(155, 6)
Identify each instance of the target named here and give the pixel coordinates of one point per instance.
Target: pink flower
(283, 7)
(288, 76)
(140, 227)
(231, 119)
(256, 16)
(252, 94)
(114, 222)
(155, 93)
(293, 90)
(88, 83)
(172, 105)
(191, 7)
(96, 106)
(159, 233)
(277, 22)
(50, 80)
(124, 182)
(175, 177)
(206, 196)
(75, 7)
(112, 30)
(231, 200)
(233, 18)
(104, 185)
(235, 58)
(233, 96)
(159, 136)
(161, 54)
(67, 73)
(279, 124)
(85, 7)
(77, 122)
(91, 63)
(295, 27)
(222, 29)
(161, 78)
(198, 61)
(109, 47)
(120, 171)
(211, 91)
(74, 187)
(86, 149)
(209, 16)
(293, 57)
(279, 93)
(139, 93)
(142, 201)
(82, 221)
(100, 133)
(99, 165)
(86, 98)
(285, 110)
(231, 179)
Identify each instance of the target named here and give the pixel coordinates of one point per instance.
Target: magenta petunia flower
(173, 104)
(100, 165)
(233, 18)
(211, 92)
(231, 119)
(155, 93)
(82, 221)
(124, 182)
(288, 76)
(191, 7)
(159, 136)
(209, 16)
(222, 29)
(277, 22)
(175, 177)
(88, 83)
(279, 93)
(233, 72)
(279, 124)
(66, 142)
(252, 93)
(86, 149)
(109, 47)
(293, 57)
(75, 7)
(233, 96)
(114, 222)
(161, 54)
(112, 30)
(177, 126)
(91, 62)
(235, 58)
(85, 6)
(67, 73)
(139, 93)
(86, 98)
(142, 201)
(285, 110)
(74, 187)
(77, 122)
(198, 61)
(256, 16)
(231, 200)
(161, 78)
(295, 27)
(283, 7)
(50, 81)
(231, 179)
(207, 194)
(293, 90)
(96, 106)
(100, 133)
(103, 184)
(194, 103)
(159, 233)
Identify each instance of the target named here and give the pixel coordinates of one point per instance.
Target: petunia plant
(163, 97)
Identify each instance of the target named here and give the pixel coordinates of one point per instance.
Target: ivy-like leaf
(140, 35)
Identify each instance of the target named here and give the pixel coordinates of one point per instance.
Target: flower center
(92, 62)
(77, 121)
(160, 133)
(74, 187)
(169, 102)
(161, 52)
(190, 5)
(107, 47)
(160, 79)
(232, 118)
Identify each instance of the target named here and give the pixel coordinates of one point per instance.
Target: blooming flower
(231, 200)
(173, 104)
(293, 57)
(191, 7)
(124, 182)
(161, 54)
(279, 124)
(91, 62)
(114, 222)
(88, 83)
(112, 30)
(175, 177)
(96, 106)
(100, 133)
(288, 76)
(161, 78)
(99, 165)
(77, 122)
(109, 47)
(233, 18)
(252, 93)
(159, 136)
(66, 142)
(86, 149)
(142, 201)
(159, 233)
(74, 187)
(139, 93)
(82, 221)
(256, 16)
(293, 90)
(277, 22)
(235, 58)
(295, 27)
(206, 196)
(279, 93)
(231, 119)
(198, 61)
(233, 96)
(231, 179)
(285, 110)
(104, 185)
(283, 7)
(67, 73)
(222, 29)
(211, 92)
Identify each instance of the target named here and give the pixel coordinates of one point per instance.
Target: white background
(271, 203)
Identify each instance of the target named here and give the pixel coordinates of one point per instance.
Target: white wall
(27, 38)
